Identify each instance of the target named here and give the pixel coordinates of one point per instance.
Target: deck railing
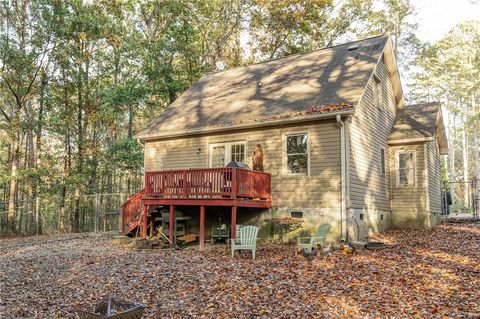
(131, 209)
(222, 182)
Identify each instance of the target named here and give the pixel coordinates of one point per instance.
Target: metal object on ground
(220, 232)
(373, 245)
(285, 224)
(114, 308)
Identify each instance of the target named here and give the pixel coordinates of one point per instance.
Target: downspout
(343, 209)
(346, 136)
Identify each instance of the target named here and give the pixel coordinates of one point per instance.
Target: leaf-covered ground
(422, 274)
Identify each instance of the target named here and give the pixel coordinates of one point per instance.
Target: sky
(436, 17)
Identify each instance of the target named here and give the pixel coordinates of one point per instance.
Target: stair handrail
(129, 213)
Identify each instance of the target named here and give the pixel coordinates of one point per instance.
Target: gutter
(411, 140)
(343, 160)
(275, 122)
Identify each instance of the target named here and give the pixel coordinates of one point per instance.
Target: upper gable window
(377, 91)
(382, 161)
(297, 153)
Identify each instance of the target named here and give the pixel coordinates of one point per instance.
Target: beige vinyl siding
(409, 199)
(320, 189)
(369, 131)
(433, 166)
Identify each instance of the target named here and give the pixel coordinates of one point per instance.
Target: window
(406, 169)
(223, 153)
(377, 92)
(297, 154)
(382, 161)
(218, 156)
(238, 152)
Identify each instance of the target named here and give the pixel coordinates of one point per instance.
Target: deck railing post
(145, 213)
(233, 223)
(185, 183)
(234, 183)
(202, 227)
(145, 183)
(172, 221)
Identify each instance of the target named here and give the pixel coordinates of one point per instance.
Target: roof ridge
(295, 54)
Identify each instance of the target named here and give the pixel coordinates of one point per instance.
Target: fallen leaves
(421, 274)
(319, 109)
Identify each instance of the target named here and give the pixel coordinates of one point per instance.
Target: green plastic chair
(308, 243)
(247, 240)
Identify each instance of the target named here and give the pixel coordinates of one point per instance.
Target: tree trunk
(76, 215)
(13, 172)
(31, 181)
(130, 121)
(466, 179)
(477, 168)
(476, 157)
(66, 169)
(66, 159)
(451, 154)
(38, 148)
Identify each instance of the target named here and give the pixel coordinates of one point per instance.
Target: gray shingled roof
(420, 121)
(267, 90)
(415, 121)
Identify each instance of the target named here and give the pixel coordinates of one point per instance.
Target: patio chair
(308, 243)
(248, 240)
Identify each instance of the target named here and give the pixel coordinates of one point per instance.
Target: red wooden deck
(232, 187)
(209, 183)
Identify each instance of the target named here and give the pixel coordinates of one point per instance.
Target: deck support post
(202, 227)
(172, 222)
(234, 223)
(144, 222)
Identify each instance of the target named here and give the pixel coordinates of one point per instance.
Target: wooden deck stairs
(132, 211)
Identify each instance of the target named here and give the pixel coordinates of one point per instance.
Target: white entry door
(223, 153)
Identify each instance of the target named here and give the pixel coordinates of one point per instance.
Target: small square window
(296, 214)
(381, 217)
(361, 216)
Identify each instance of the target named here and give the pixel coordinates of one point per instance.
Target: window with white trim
(377, 91)
(382, 161)
(223, 153)
(297, 154)
(406, 169)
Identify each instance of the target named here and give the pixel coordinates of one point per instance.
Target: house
(339, 146)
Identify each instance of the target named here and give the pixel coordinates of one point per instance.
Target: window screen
(297, 154)
(406, 169)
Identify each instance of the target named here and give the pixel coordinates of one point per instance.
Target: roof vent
(353, 47)
(220, 65)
